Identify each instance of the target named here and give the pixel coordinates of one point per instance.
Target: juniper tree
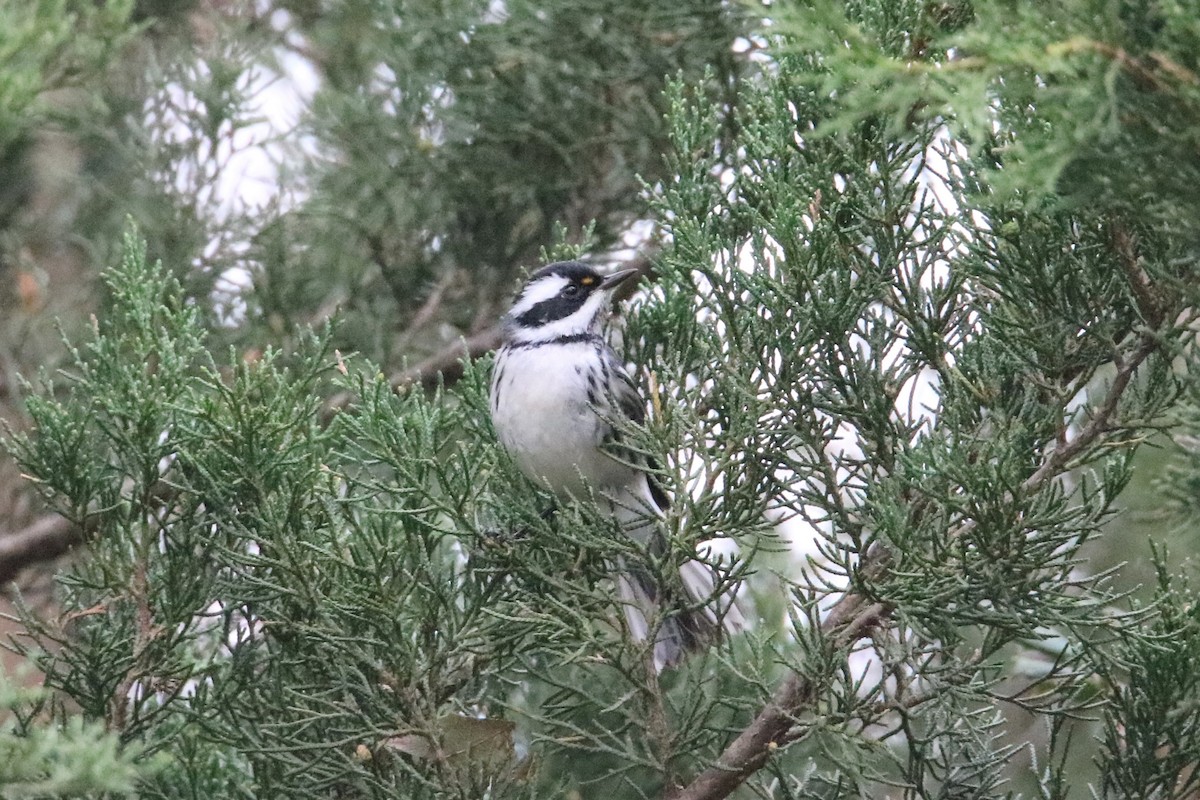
(403, 189)
(913, 309)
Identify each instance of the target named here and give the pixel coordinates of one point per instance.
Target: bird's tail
(683, 618)
(683, 615)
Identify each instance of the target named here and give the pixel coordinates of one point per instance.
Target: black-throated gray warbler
(557, 387)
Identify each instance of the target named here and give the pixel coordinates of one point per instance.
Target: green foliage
(455, 137)
(50, 45)
(287, 608)
(47, 49)
(234, 588)
(813, 281)
(884, 322)
(1091, 103)
(63, 758)
(1152, 727)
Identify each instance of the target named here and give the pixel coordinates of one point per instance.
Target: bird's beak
(617, 278)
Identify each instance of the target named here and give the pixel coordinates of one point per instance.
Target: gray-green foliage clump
(260, 586)
(857, 330)
(841, 282)
(72, 759)
(47, 47)
(454, 139)
(296, 604)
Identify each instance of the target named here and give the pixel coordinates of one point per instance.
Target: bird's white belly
(545, 421)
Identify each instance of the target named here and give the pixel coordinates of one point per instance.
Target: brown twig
(428, 310)
(1060, 457)
(47, 538)
(849, 620)
(446, 366)
(52, 536)
(1124, 244)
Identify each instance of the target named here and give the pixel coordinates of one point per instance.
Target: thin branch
(848, 621)
(52, 536)
(1124, 244)
(46, 539)
(428, 310)
(1060, 457)
(446, 367)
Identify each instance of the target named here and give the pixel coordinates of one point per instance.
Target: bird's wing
(628, 400)
(626, 395)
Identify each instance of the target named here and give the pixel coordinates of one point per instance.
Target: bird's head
(561, 300)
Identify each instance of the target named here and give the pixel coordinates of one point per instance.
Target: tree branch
(52, 536)
(446, 366)
(45, 539)
(1060, 457)
(848, 621)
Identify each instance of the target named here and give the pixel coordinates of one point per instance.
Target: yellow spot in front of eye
(587, 280)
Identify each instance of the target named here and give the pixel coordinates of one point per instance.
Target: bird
(557, 390)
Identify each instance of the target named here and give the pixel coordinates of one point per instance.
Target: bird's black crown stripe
(572, 270)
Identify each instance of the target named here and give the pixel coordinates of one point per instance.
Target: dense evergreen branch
(926, 288)
(852, 618)
(51, 536)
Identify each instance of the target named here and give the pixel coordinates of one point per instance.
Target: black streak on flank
(593, 395)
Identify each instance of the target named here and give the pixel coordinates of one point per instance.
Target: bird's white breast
(544, 419)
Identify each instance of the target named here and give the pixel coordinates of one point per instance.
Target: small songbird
(557, 387)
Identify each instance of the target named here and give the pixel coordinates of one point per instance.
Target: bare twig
(446, 366)
(52, 536)
(1124, 244)
(1059, 458)
(428, 310)
(851, 619)
(45, 539)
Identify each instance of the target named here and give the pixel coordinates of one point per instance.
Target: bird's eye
(570, 290)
